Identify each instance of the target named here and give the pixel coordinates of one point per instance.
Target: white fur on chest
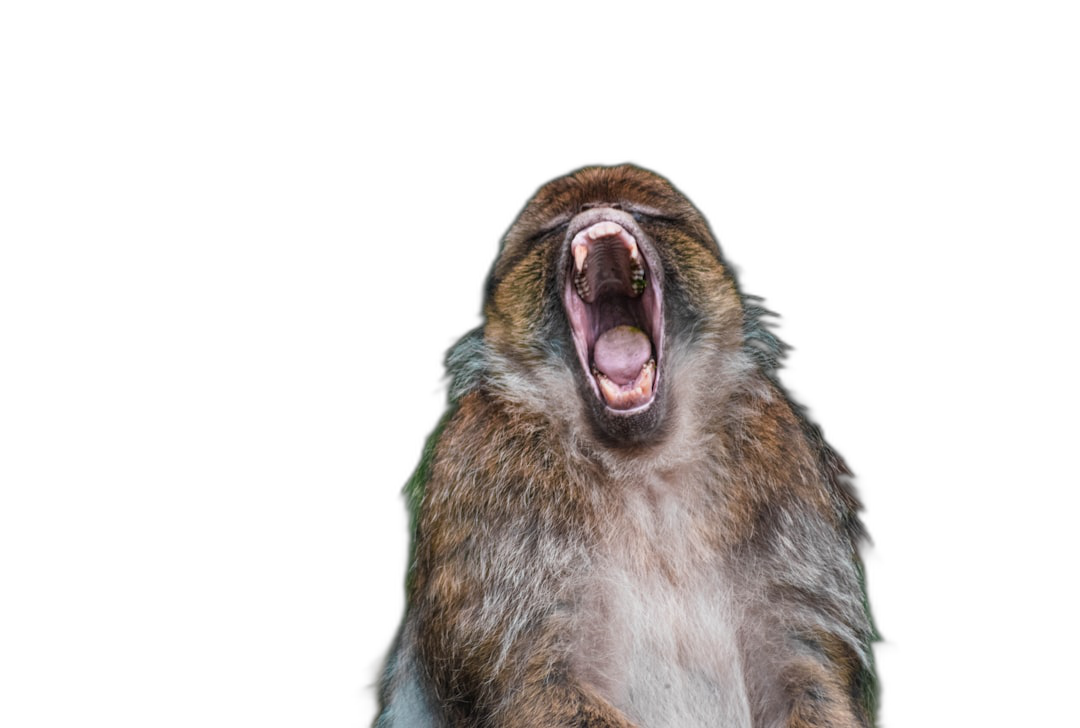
(658, 627)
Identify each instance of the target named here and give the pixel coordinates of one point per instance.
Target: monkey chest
(658, 629)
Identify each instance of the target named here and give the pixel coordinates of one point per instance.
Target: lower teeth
(615, 395)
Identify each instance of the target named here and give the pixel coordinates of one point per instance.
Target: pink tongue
(621, 352)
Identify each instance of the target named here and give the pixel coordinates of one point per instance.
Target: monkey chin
(643, 426)
(612, 283)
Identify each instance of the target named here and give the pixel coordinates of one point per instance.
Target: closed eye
(651, 215)
(551, 228)
(556, 225)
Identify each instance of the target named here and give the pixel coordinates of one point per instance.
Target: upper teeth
(599, 231)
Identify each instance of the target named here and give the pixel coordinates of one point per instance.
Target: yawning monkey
(623, 520)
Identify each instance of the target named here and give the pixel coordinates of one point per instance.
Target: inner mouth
(613, 302)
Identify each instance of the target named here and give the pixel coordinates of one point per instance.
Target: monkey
(623, 519)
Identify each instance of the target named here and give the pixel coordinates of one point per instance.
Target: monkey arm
(490, 621)
(816, 681)
(500, 662)
(826, 692)
(551, 697)
(807, 630)
(806, 637)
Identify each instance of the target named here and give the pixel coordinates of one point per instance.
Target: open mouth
(613, 301)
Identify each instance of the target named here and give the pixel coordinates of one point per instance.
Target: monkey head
(608, 291)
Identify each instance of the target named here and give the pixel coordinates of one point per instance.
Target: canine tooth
(611, 390)
(581, 252)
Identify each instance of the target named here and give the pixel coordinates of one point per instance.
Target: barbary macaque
(623, 519)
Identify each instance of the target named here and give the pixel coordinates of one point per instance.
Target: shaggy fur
(698, 568)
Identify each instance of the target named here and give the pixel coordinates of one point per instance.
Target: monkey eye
(558, 223)
(648, 214)
(560, 228)
(545, 232)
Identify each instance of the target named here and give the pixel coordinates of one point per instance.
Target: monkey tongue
(624, 367)
(621, 352)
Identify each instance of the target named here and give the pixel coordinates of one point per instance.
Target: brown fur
(728, 516)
